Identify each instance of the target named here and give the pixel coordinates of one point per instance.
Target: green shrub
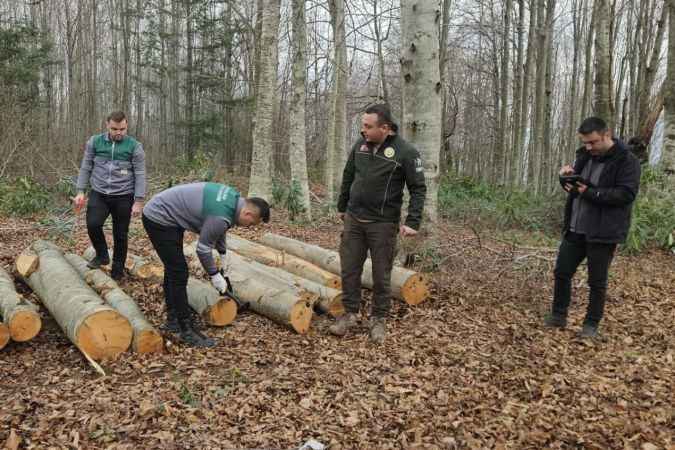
(293, 201)
(653, 220)
(23, 196)
(471, 200)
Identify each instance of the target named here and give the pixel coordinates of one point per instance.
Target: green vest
(116, 151)
(221, 201)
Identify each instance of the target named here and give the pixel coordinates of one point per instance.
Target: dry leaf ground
(470, 368)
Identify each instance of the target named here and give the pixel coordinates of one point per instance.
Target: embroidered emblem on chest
(389, 152)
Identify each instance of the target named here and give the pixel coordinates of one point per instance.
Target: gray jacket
(113, 168)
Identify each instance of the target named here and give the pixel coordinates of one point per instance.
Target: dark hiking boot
(117, 271)
(192, 337)
(343, 324)
(98, 261)
(589, 331)
(378, 330)
(555, 321)
(171, 324)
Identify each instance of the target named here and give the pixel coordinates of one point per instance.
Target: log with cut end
(289, 263)
(21, 316)
(413, 287)
(97, 329)
(209, 304)
(269, 296)
(329, 300)
(137, 266)
(146, 338)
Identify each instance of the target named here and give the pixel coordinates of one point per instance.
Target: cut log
(209, 304)
(413, 287)
(329, 300)
(146, 338)
(4, 335)
(94, 327)
(21, 316)
(137, 266)
(289, 263)
(269, 296)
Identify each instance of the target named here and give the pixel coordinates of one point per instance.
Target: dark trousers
(357, 239)
(573, 250)
(168, 242)
(99, 207)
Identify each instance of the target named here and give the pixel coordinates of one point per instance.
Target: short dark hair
(263, 207)
(383, 115)
(591, 124)
(116, 116)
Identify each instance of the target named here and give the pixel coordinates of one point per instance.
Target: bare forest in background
(198, 80)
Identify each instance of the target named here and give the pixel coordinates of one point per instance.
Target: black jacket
(608, 220)
(373, 181)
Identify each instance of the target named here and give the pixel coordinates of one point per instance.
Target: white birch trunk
(421, 124)
(260, 181)
(298, 153)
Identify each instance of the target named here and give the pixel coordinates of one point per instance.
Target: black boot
(192, 337)
(117, 271)
(171, 324)
(98, 261)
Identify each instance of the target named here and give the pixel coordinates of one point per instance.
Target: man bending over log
(209, 209)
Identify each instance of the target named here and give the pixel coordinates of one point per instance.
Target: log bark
(137, 266)
(19, 315)
(268, 296)
(95, 328)
(209, 304)
(4, 335)
(410, 286)
(275, 258)
(146, 338)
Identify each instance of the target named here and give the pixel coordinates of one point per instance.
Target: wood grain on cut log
(137, 266)
(4, 335)
(209, 304)
(269, 296)
(20, 315)
(95, 328)
(146, 338)
(413, 287)
(275, 258)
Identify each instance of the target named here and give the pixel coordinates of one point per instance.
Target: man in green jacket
(380, 164)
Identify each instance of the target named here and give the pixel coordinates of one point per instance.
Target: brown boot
(343, 324)
(378, 330)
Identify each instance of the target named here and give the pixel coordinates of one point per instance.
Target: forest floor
(472, 367)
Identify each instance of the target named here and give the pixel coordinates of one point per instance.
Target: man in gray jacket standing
(114, 167)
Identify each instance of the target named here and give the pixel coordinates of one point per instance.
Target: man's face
(597, 143)
(116, 130)
(248, 217)
(372, 131)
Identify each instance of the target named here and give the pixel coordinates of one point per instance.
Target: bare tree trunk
(668, 151)
(650, 72)
(260, 182)
(421, 89)
(338, 115)
(602, 105)
(537, 150)
(380, 55)
(500, 156)
(298, 153)
(588, 69)
(189, 84)
(518, 100)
